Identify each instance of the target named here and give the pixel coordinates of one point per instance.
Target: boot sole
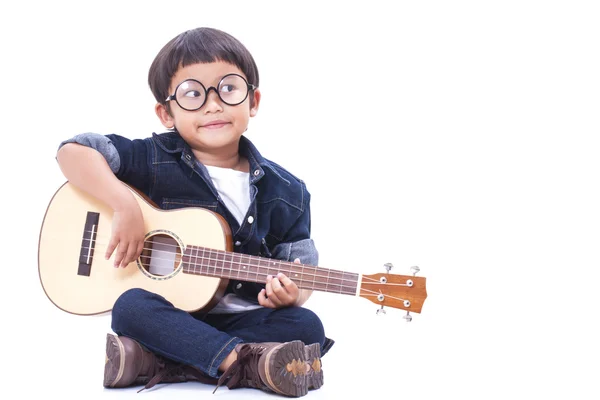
(115, 361)
(283, 369)
(313, 359)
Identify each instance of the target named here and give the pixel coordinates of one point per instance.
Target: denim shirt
(163, 167)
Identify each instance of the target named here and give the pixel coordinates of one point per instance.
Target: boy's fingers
(131, 254)
(268, 287)
(276, 285)
(121, 254)
(263, 301)
(285, 281)
(110, 248)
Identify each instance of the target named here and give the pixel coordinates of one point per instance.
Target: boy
(206, 86)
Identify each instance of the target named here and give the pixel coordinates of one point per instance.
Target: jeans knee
(129, 307)
(310, 327)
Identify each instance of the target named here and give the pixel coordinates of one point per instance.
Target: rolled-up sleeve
(304, 249)
(128, 159)
(100, 143)
(297, 242)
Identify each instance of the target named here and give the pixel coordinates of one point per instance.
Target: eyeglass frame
(250, 87)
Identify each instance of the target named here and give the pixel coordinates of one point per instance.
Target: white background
(459, 136)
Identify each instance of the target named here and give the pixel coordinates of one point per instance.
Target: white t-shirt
(234, 188)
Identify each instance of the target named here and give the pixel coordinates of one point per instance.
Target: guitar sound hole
(161, 255)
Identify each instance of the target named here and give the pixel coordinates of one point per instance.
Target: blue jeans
(204, 341)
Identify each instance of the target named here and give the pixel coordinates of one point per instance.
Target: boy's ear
(255, 102)
(165, 118)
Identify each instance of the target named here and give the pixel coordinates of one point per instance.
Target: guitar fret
(200, 260)
(192, 258)
(245, 267)
(256, 268)
(224, 267)
(221, 267)
(211, 263)
(206, 261)
(237, 259)
(214, 257)
(229, 264)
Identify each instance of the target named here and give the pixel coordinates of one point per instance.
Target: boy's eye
(228, 88)
(192, 93)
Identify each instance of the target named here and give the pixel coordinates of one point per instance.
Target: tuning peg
(408, 317)
(388, 267)
(380, 311)
(415, 270)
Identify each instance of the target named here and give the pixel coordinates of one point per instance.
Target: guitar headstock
(406, 292)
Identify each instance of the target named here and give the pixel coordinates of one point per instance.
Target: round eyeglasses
(191, 95)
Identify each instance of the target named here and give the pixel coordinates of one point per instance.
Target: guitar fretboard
(223, 264)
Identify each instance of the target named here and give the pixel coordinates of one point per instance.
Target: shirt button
(257, 172)
(238, 243)
(238, 286)
(250, 219)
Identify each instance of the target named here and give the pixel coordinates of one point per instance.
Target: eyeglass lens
(191, 94)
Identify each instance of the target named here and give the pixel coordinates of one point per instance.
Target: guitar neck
(223, 264)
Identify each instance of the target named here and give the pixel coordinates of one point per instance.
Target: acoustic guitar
(187, 259)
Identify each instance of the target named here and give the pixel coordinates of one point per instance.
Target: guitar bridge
(88, 244)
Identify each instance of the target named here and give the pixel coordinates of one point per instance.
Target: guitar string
(329, 271)
(231, 270)
(241, 263)
(377, 294)
(377, 282)
(290, 274)
(351, 289)
(240, 255)
(237, 273)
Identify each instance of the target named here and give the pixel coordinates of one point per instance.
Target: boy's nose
(213, 102)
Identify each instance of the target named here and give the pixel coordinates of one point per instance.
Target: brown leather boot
(314, 374)
(273, 367)
(128, 364)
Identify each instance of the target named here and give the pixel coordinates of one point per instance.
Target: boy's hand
(128, 234)
(280, 291)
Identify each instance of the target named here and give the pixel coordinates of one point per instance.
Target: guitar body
(78, 279)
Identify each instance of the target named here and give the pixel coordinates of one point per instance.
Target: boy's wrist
(123, 201)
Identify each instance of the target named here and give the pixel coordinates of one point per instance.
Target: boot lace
(243, 372)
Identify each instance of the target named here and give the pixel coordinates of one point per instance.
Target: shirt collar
(172, 142)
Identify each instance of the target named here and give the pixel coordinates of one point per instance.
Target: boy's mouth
(215, 124)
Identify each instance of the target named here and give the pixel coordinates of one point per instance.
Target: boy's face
(216, 127)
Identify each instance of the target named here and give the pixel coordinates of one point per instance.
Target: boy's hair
(200, 45)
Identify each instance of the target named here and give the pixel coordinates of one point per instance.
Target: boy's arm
(298, 252)
(87, 169)
(298, 245)
(90, 163)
